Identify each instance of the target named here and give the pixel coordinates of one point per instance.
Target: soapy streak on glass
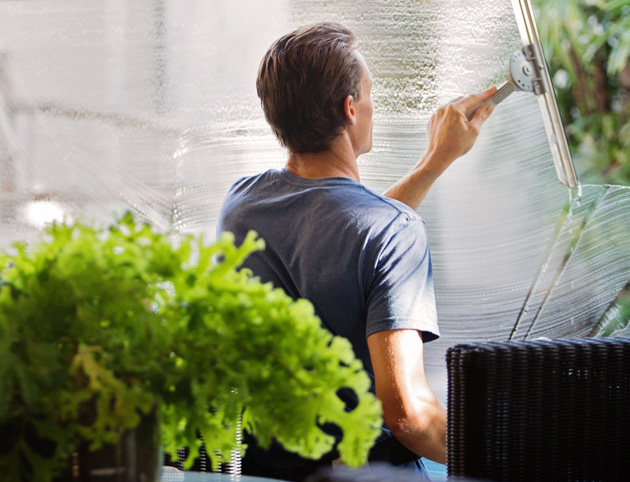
(152, 106)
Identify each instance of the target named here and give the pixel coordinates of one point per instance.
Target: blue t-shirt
(362, 259)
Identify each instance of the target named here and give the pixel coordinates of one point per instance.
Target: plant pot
(137, 457)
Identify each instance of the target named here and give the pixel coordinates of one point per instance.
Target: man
(362, 259)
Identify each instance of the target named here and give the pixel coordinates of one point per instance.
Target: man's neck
(338, 161)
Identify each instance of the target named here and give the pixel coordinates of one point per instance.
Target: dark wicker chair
(556, 410)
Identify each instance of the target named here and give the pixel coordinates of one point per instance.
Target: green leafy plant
(100, 326)
(587, 45)
(616, 320)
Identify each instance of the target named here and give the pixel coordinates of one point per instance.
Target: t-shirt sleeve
(402, 294)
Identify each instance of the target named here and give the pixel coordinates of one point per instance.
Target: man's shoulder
(378, 207)
(395, 206)
(250, 180)
(343, 196)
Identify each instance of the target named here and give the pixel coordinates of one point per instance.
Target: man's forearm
(413, 187)
(450, 135)
(425, 434)
(410, 410)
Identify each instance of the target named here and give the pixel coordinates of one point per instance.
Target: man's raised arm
(450, 136)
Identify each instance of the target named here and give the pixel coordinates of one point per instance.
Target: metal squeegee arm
(547, 101)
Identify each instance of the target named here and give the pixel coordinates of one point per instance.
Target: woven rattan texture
(539, 410)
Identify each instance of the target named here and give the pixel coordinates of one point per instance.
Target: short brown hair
(303, 81)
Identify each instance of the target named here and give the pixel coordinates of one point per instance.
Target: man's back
(361, 259)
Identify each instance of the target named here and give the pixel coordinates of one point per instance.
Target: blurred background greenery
(587, 46)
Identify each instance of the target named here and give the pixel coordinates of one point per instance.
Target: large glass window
(150, 105)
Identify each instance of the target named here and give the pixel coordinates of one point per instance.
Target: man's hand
(450, 135)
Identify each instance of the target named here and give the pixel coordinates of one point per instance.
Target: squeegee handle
(500, 95)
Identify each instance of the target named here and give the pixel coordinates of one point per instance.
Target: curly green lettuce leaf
(99, 326)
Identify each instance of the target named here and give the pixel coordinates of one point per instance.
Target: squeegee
(528, 72)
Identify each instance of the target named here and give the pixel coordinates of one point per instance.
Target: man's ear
(349, 109)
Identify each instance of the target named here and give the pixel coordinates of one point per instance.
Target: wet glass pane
(151, 106)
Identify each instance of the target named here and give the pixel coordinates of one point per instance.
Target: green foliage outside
(587, 47)
(99, 326)
(616, 321)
